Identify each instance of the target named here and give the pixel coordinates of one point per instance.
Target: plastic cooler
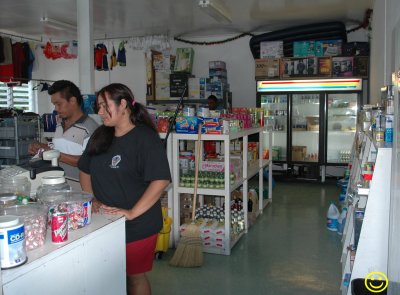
(34, 217)
(77, 204)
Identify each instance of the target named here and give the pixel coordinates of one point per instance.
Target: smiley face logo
(376, 282)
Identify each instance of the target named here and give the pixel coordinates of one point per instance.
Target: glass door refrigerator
(314, 121)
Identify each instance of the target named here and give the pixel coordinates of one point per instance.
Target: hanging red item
(52, 51)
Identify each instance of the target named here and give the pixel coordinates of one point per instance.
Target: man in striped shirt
(74, 128)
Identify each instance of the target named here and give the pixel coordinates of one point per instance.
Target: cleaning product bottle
(342, 221)
(332, 217)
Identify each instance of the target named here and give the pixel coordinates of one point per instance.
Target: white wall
(385, 18)
(236, 54)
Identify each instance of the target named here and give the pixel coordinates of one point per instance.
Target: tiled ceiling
(125, 18)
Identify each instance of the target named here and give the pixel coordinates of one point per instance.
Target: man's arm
(69, 159)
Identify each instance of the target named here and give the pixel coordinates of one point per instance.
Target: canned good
(59, 227)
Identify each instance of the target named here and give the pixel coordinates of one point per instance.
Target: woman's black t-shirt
(122, 174)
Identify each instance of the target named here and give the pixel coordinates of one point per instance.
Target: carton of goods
(276, 152)
(324, 66)
(330, 47)
(342, 66)
(186, 125)
(217, 64)
(299, 153)
(267, 68)
(271, 49)
(312, 123)
(184, 60)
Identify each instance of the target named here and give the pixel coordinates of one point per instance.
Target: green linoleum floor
(288, 251)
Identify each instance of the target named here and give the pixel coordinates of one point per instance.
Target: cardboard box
(342, 66)
(184, 60)
(305, 49)
(312, 123)
(177, 82)
(299, 153)
(217, 64)
(355, 49)
(276, 153)
(324, 66)
(267, 68)
(271, 49)
(162, 86)
(299, 67)
(330, 47)
(198, 88)
(361, 66)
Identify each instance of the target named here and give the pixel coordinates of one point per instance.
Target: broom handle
(196, 171)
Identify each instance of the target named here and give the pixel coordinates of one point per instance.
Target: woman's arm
(86, 184)
(148, 199)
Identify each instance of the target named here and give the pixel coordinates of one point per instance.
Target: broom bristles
(189, 252)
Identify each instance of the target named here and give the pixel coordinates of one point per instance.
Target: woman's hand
(96, 204)
(118, 211)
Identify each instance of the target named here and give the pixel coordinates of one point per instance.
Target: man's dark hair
(213, 97)
(67, 90)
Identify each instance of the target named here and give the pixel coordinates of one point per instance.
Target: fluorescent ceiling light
(56, 24)
(216, 9)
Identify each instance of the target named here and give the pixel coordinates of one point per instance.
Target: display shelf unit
(16, 133)
(248, 172)
(372, 248)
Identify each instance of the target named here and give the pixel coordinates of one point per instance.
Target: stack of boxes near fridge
(215, 84)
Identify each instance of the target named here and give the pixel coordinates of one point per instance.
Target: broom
(189, 252)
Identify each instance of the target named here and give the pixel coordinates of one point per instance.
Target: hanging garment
(1, 50)
(113, 59)
(18, 56)
(105, 61)
(7, 51)
(101, 57)
(121, 59)
(30, 58)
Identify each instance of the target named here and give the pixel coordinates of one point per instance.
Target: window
(19, 97)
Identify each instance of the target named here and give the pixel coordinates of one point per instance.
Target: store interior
(292, 154)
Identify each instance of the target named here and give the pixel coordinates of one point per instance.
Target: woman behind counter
(126, 167)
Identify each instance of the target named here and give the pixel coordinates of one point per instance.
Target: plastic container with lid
(7, 199)
(34, 217)
(18, 185)
(77, 204)
(52, 184)
(12, 241)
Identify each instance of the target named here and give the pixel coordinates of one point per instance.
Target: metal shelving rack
(16, 133)
(248, 173)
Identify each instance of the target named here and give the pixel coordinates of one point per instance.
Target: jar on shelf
(52, 184)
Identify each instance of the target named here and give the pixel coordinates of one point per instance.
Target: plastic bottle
(332, 217)
(342, 221)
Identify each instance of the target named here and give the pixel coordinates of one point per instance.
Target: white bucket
(12, 241)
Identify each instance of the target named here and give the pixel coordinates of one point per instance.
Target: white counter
(92, 261)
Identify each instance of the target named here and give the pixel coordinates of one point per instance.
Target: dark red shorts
(140, 255)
